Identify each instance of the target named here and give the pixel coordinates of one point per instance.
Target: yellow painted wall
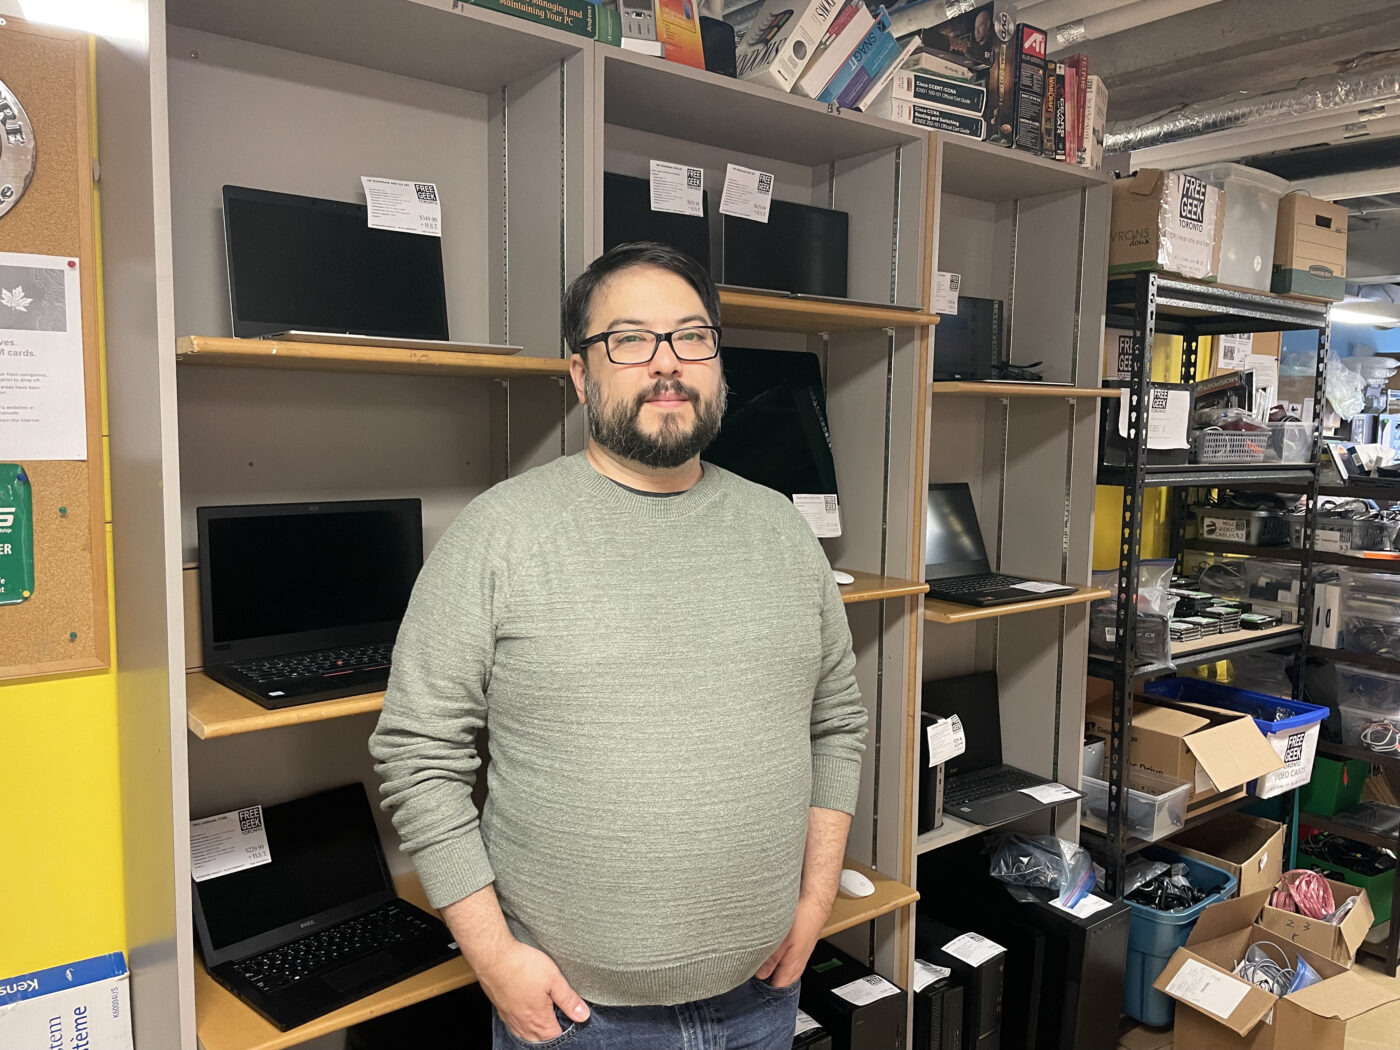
(61, 891)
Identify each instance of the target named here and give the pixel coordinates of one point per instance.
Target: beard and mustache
(616, 423)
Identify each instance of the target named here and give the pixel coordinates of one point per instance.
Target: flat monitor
(800, 249)
(952, 537)
(975, 700)
(303, 263)
(628, 217)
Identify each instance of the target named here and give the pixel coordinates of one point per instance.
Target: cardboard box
(1249, 848)
(970, 37)
(1219, 1011)
(781, 41)
(1016, 90)
(1145, 1037)
(1338, 942)
(82, 1006)
(1216, 752)
(1164, 220)
(1310, 247)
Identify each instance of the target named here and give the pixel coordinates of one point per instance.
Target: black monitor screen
(974, 699)
(628, 217)
(289, 569)
(799, 249)
(952, 538)
(315, 265)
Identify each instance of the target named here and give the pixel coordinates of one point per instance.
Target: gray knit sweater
(668, 686)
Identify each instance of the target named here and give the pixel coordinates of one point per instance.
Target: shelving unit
(771, 313)
(870, 587)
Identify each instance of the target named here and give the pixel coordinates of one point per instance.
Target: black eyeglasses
(637, 346)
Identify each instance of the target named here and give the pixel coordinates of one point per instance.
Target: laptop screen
(974, 699)
(952, 538)
(800, 248)
(291, 577)
(325, 856)
(628, 216)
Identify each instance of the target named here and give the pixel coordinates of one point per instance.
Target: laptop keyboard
(985, 783)
(969, 584)
(320, 663)
(279, 968)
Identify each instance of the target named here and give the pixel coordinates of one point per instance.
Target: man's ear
(577, 371)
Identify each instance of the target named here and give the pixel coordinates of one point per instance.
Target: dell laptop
(319, 925)
(977, 786)
(301, 602)
(955, 559)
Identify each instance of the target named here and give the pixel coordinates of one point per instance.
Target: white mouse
(854, 884)
(843, 577)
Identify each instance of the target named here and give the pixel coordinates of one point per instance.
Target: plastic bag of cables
(1156, 604)
(1168, 890)
(1046, 862)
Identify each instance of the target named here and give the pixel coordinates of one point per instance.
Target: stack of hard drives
(1200, 614)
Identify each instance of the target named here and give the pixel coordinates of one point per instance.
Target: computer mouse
(843, 577)
(854, 884)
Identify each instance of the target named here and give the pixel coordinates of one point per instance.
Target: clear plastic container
(1339, 535)
(1369, 727)
(1290, 442)
(1156, 804)
(1367, 690)
(1251, 217)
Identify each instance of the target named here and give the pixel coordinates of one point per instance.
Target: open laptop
(977, 786)
(320, 925)
(955, 559)
(301, 602)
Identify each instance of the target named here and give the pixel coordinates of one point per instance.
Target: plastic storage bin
(1339, 535)
(1229, 446)
(1238, 525)
(1290, 442)
(1290, 726)
(1156, 804)
(1368, 690)
(1335, 786)
(1377, 729)
(1154, 936)
(1251, 218)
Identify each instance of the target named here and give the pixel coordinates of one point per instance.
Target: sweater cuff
(835, 783)
(454, 869)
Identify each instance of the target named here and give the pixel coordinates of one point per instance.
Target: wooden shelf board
(213, 710)
(869, 587)
(380, 360)
(951, 612)
(779, 314)
(1215, 640)
(1021, 390)
(981, 171)
(889, 896)
(953, 830)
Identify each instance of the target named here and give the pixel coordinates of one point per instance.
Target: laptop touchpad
(362, 971)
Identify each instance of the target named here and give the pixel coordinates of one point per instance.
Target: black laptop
(977, 786)
(955, 559)
(301, 602)
(320, 926)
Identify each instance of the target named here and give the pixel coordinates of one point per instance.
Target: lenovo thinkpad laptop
(301, 602)
(956, 567)
(977, 786)
(320, 925)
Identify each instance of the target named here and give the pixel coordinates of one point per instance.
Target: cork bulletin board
(63, 624)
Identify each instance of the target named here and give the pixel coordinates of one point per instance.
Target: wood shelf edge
(872, 587)
(755, 310)
(213, 710)
(273, 353)
(1047, 390)
(889, 896)
(937, 611)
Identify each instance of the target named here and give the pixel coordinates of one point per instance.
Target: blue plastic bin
(1154, 936)
(1294, 739)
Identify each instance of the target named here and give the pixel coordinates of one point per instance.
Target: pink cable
(1310, 893)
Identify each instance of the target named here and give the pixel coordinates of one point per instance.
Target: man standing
(660, 652)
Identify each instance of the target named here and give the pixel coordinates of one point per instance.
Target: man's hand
(524, 985)
(784, 967)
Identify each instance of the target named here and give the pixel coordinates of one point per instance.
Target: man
(661, 655)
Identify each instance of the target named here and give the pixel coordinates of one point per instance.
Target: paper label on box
(1329, 540)
(945, 292)
(866, 990)
(228, 842)
(677, 188)
(403, 206)
(1090, 905)
(79, 1005)
(946, 740)
(805, 1023)
(1050, 793)
(1297, 751)
(1206, 989)
(1233, 352)
(822, 511)
(926, 974)
(1188, 226)
(1168, 418)
(748, 194)
(1118, 353)
(1036, 586)
(973, 948)
(1227, 530)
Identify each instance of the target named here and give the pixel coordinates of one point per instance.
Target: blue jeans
(754, 1016)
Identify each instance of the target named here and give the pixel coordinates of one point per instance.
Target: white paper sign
(926, 974)
(1036, 587)
(1233, 353)
(866, 990)
(1086, 907)
(1168, 420)
(945, 292)
(1265, 369)
(1227, 530)
(973, 948)
(1050, 793)
(1215, 993)
(1118, 353)
(946, 740)
(1204, 785)
(822, 511)
(405, 207)
(228, 842)
(805, 1023)
(43, 402)
(677, 188)
(747, 193)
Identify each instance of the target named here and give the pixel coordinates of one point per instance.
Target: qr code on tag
(694, 178)
(830, 502)
(427, 192)
(765, 183)
(250, 819)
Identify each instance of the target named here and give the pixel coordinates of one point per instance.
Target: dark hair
(579, 296)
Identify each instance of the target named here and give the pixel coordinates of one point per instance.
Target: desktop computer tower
(938, 1016)
(853, 1019)
(1084, 963)
(930, 779)
(981, 982)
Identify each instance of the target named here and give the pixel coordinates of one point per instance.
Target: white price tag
(1050, 793)
(1036, 587)
(973, 949)
(946, 740)
(805, 1023)
(945, 292)
(748, 194)
(926, 974)
(822, 511)
(866, 990)
(228, 842)
(1330, 540)
(1228, 530)
(404, 207)
(1168, 418)
(1086, 907)
(1215, 993)
(677, 188)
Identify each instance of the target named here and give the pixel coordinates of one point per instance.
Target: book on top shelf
(678, 30)
(935, 118)
(877, 47)
(939, 91)
(781, 40)
(845, 32)
(572, 16)
(922, 60)
(878, 85)
(1076, 98)
(1095, 119)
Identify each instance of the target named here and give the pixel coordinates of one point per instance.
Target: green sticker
(16, 535)
(830, 964)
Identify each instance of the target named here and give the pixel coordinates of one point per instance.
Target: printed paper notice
(973, 949)
(926, 974)
(1050, 793)
(1234, 353)
(229, 842)
(677, 188)
(946, 740)
(1215, 993)
(43, 400)
(1036, 587)
(1086, 907)
(1168, 421)
(822, 511)
(945, 292)
(805, 1023)
(404, 207)
(747, 193)
(866, 990)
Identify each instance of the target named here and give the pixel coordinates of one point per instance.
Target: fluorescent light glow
(1346, 315)
(115, 19)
